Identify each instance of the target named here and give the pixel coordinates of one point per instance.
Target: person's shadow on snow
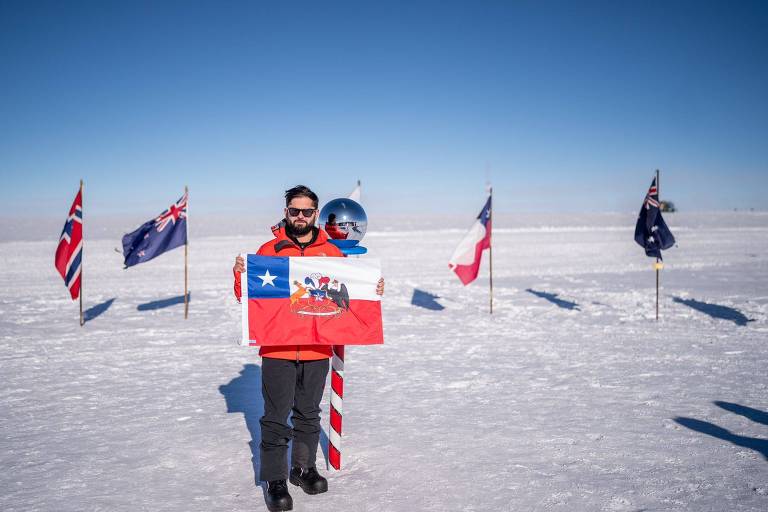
(243, 394)
(753, 443)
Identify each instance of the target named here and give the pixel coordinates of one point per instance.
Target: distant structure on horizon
(667, 206)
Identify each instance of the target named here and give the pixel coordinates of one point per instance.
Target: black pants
(297, 386)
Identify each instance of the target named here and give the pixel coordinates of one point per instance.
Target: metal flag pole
(82, 252)
(490, 248)
(186, 254)
(657, 266)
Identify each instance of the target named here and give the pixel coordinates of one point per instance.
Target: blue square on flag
(269, 277)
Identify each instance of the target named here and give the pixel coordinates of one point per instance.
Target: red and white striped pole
(337, 395)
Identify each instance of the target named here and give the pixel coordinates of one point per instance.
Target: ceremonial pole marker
(337, 395)
(345, 222)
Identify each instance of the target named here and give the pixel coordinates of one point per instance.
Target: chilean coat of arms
(319, 295)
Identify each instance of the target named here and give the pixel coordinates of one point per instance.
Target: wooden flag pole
(186, 258)
(490, 250)
(82, 251)
(658, 193)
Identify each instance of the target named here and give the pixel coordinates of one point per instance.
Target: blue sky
(564, 106)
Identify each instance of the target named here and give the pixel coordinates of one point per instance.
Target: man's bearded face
(300, 225)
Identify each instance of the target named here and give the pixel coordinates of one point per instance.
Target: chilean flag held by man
(311, 301)
(69, 252)
(466, 258)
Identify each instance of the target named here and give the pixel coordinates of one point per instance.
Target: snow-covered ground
(569, 397)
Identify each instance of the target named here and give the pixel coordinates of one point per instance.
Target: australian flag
(154, 237)
(651, 232)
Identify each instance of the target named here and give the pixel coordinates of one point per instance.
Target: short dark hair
(300, 191)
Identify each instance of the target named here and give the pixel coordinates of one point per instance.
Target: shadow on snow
(164, 303)
(94, 311)
(426, 300)
(243, 394)
(705, 427)
(552, 297)
(715, 310)
(751, 414)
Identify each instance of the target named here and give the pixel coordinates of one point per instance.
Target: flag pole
(658, 192)
(490, 249)
(82, 254)
(186, 257)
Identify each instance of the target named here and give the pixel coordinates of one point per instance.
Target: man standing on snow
(293, 377)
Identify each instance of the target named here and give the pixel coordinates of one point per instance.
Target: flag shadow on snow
(705, 427)
(715, 310)
(552, 297)
(751, 414)
(426, 300)
(164, 303)
(243, 394)
(94, 311)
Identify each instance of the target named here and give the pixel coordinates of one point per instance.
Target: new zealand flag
(154, 237)
(651, 232)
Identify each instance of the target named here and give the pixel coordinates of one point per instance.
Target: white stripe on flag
(465, 252)
(360, 276)
(74, 279)
(73, 256)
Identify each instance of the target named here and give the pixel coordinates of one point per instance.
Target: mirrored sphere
(344, 219)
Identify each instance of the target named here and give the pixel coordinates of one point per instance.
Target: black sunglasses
(307, 212)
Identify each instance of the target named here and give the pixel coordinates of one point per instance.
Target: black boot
(277, 497)
(309, 480)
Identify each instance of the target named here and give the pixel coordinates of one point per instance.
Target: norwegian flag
(163, 233)
(651, 232)
(69, 253)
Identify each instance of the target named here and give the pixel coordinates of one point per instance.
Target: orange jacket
(281, 245)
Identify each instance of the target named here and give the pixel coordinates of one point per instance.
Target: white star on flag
(267, 279)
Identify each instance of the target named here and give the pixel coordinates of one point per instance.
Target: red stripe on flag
(74, 290)
(271, 322)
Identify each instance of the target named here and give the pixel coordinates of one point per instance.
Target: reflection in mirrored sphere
(344, 219)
